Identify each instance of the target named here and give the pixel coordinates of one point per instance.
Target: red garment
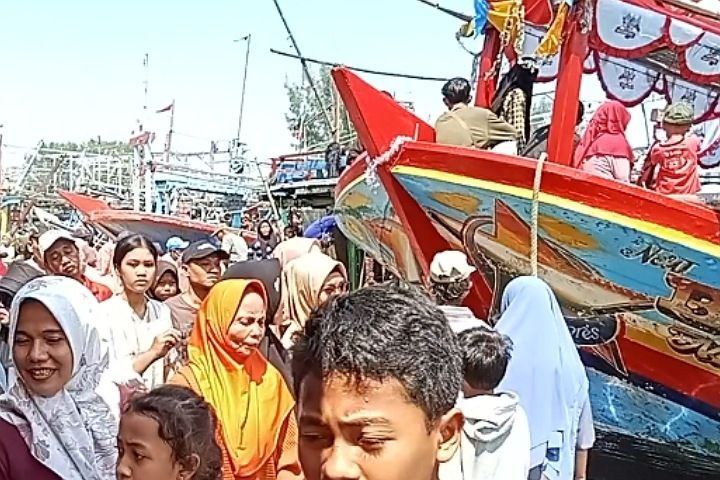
(678, 162)
(16, 461)
(605, 134)
(101, 292)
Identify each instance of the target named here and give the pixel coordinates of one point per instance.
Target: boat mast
(247, 38)
(565, 108)
(306, 70)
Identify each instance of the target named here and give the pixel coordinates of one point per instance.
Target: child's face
(372, 433)
(143, 454)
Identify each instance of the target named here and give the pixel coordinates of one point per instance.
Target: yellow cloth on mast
(550, 44)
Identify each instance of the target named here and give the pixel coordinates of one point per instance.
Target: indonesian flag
(166, 109)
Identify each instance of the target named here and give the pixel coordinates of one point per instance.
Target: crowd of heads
(383, 359)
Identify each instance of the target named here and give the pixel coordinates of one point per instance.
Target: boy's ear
(189, 466)
(449, 432)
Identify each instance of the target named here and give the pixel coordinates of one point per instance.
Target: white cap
(450, 266)
(49, 238)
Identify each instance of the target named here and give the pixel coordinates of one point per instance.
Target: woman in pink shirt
(604, 149)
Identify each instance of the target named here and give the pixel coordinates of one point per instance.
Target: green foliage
(306, 113)
(94, 145)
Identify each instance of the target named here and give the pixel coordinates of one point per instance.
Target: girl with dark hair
(267, 240)
(513, 100)
(168, 434)
(139, 330)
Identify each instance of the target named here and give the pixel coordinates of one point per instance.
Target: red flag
(166, 109)
(142, 139)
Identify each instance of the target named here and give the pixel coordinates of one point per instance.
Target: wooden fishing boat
(637, 273)
(157, 228)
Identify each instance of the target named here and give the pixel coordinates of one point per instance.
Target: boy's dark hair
(384, 332)
(457, 90)
(485, 355)
(451, 293)
(186, 423)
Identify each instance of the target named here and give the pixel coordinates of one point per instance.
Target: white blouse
(128, 335)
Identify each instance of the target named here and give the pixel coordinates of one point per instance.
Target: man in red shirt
(61, 256)
(675, 161)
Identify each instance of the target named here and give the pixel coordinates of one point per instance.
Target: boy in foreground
(377, 374)
(496, 437)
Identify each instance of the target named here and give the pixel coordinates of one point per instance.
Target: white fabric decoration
(374, 163)
(627, 27)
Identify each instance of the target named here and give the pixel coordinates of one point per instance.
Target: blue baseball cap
(176, 243)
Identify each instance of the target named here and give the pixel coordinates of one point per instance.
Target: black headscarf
(265, 244)
(268, 272)
(522, 77)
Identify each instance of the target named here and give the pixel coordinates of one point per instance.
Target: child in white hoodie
(496, 438)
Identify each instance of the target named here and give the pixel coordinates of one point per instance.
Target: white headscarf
(545, 369)
(73, 433)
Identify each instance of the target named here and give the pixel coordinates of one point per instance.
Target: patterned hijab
(72, 433)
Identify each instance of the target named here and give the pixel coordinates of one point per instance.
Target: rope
(359, 69)
(534, 214)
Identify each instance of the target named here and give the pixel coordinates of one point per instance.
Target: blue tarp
(321, 227)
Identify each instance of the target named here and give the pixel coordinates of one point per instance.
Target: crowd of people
(187, 364)
(671, 166)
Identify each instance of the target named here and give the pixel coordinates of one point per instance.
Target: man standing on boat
(469, 126)
(232, 243)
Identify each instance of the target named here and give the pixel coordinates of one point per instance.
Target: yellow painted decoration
(458, 201)
(566, 233)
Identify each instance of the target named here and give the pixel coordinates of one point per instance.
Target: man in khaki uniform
(469, 126)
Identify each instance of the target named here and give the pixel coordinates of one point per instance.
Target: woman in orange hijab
(257, 430)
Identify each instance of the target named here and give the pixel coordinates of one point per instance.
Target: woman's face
(247, 329)
(41, 351)
(167, 287)
(142, 454)
(137, 270)
(335, 284)
(265, 229)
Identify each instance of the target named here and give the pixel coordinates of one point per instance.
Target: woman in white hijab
(53, 422)
(546, 372)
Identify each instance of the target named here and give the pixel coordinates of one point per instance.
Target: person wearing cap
(673, 163)
(61, 256)
(201, 264)
(233, 244)
(174, 247)
(450, 284)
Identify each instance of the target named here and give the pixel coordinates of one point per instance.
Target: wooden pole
(248, 38)
(337, 103)
(487, 76)
(168, 141)
(305, 68)
(564, 116)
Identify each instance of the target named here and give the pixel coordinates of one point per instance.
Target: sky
(72, 70)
